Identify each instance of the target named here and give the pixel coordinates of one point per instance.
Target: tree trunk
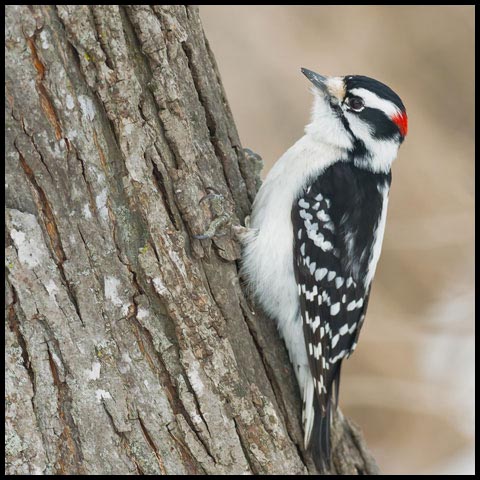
(130, 346)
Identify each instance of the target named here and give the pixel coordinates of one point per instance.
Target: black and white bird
(316, 232)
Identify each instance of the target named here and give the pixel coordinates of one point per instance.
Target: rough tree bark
(130, 346)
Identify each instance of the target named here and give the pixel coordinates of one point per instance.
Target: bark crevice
(15, 327)
(71, 456)
(48, 218)
(150, 441)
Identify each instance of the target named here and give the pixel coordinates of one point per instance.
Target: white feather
(372, 100)
(308, 413)
(377, 243)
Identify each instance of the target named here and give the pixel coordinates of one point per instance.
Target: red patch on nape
(401, 121)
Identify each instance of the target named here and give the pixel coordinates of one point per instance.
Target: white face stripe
(381, 152)
(372, 100)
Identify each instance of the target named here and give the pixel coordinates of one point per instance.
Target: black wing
(334, 222)
(331, 301)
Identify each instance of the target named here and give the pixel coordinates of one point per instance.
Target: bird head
(360, 115)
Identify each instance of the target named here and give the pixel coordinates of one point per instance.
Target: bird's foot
(243, 234)
(240, 232)
(222, 217)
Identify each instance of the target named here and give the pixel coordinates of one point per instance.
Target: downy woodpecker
(316, 232)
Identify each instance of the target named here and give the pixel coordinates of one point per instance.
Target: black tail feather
(337, 383)
(320, 440)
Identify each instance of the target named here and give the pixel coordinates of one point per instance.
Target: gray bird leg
(217, 202)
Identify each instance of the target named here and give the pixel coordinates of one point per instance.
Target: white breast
(267, 262)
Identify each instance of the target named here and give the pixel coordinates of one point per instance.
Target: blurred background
(410, 383)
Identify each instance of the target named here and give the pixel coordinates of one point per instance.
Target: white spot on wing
(305, 215)
(339, 356)
(335, 308)
(323, 216)
(343, 329)
(317, 238)
(351, 305)
(320, 273)
(326, 246)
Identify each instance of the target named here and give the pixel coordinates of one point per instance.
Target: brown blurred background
(410, 384)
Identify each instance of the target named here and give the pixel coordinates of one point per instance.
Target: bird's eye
(356, 104)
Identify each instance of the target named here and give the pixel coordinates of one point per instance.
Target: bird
(315, 233)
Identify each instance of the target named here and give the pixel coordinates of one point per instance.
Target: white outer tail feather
(308, 412)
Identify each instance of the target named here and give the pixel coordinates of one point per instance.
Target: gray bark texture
(130, 346)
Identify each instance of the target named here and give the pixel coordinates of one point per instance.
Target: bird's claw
(211, 231)
(211, 196)
(221, 216)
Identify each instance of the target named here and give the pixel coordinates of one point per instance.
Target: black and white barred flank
(337, 236)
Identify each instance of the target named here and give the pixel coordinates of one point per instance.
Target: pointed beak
(318, 80)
